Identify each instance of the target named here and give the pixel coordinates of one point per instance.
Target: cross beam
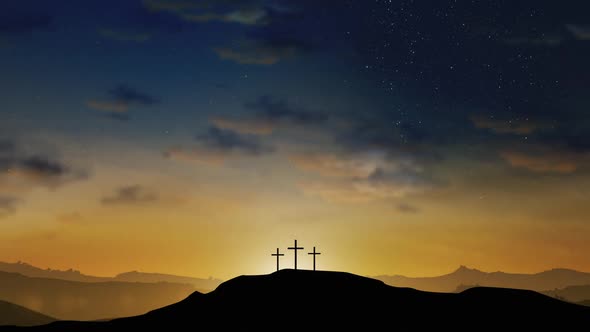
(295, 248)
(278, 255)
(314, 253)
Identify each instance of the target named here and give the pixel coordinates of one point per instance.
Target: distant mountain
(556, 278)
(202, 285)
(299, 300)
(32, 271)
(12, 314)
(571, 293)
(89, 301)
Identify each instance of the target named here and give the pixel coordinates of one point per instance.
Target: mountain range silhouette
(464, 276)
(311, 300)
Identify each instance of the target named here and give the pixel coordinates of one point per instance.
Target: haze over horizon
(194, 137)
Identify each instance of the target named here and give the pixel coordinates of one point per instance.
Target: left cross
(278, 255)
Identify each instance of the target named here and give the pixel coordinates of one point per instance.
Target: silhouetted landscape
(199, 284)
(65, 299)
(12, 314)
(54, 293)
(318, 299)
(541, 282)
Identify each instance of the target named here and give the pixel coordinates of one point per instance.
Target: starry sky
(196, 137)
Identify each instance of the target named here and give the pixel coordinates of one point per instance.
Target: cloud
(580, 32)
(123, 117)
(19, 170)
(543, 161)
(120, 100)
(406, 208)
(334, 192)
(276, 111)
(267, 113)
(108, 106)
(335, 166)
(130, 195)
(224, 140)
(517, 126)
(268, 51)
(246, 16)
(22, 171)
(124, 36)
(41, 167)
(216, 145)
(240, 12)
(130, 96)
(196, 154)
(394, 182)
(7, 205)
(244, 126)
(70, 218)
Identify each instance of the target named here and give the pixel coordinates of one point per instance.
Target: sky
(196, 137)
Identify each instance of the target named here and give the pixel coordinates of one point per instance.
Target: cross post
(278, 255)
(314, 253)
(295, 248)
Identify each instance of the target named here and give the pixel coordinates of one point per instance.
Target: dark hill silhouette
(546, 280)
(12, 314)
(313, 300)
(88, 301)
(202, 285)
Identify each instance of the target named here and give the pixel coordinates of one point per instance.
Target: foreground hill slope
(12, 314)
(291, 299)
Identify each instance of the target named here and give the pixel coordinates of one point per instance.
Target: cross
(295, 248)
(314, 254)
(278, 255)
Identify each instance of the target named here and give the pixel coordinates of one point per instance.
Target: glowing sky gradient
(195, 137)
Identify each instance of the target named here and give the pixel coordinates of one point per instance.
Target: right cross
(314, 253)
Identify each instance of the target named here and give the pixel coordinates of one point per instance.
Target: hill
(12, 314)
(33, 271)
(313, 300)
(202, 285)
(552, 279)
(88, 301)
(571, 293)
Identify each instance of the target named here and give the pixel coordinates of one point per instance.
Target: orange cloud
(196, 155)
(251, 16)
(331, 165)
(548, 162)
(255, 127)
(520, 127)
(108, 106)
